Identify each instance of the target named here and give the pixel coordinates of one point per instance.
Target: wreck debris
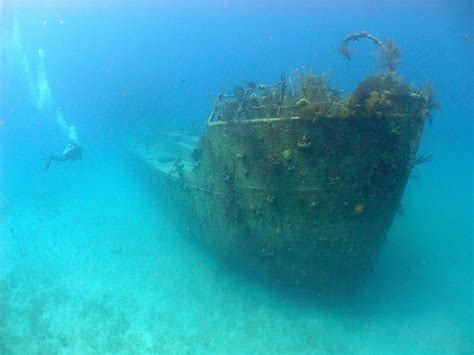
(389, 51)
(283, 85)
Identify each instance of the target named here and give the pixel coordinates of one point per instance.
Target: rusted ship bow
(292, 181)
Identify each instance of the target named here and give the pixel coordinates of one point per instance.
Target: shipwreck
(293, 181)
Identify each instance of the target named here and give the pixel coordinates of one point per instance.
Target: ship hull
(307, 202)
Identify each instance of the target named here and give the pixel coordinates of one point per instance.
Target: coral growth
(377, 103)
(301, 94)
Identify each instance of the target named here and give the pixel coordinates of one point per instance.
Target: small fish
(466, 38)
(359, 208)
(2, 122)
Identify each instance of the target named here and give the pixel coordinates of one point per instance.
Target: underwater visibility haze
(236, 177)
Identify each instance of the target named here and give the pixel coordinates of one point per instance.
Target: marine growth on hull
(305, 95)
(297, 182)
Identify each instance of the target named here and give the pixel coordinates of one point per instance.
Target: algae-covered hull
(300, 200)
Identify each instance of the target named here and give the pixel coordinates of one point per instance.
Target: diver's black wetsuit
(72, 152)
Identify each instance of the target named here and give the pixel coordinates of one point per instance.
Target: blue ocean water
(90, 262)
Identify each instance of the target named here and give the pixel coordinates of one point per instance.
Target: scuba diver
(73, 151)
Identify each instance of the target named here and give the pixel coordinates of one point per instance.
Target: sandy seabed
(99, 268)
